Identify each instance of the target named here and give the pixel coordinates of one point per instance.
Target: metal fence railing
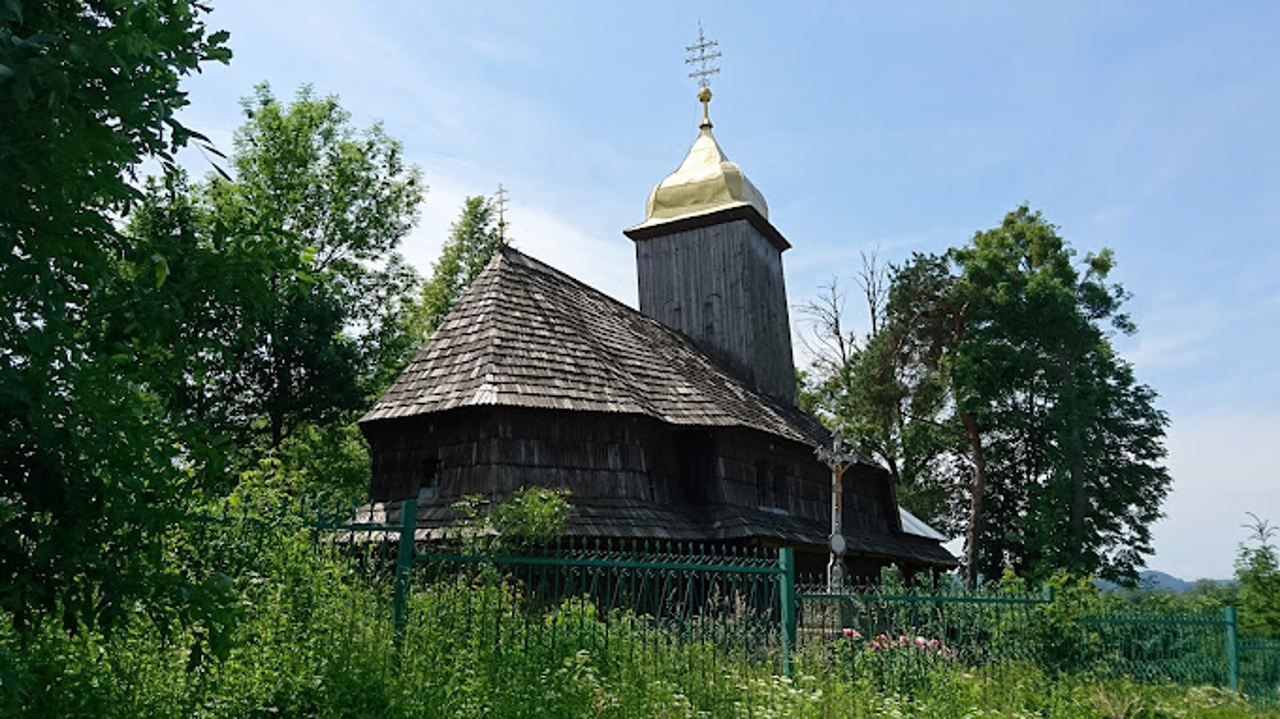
(900, 638)
(1260, 671)
(685, 608)
(1189, 649)
(664, 608)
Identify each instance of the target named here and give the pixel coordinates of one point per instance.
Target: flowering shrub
(882, 642)
(933, 647)
(903, 664)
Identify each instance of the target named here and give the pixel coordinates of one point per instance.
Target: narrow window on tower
(711, 308)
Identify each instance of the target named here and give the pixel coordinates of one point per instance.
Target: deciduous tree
(88, 473)
(284, 305)
(892, 411)
(336, 202)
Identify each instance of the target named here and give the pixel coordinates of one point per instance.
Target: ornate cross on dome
(699, 56)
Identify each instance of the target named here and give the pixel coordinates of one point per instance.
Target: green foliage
(861, 387)
(142, 369)
(903, 665)
(340, 197)
(990, 390)
(90, 473)
(312, 636)
(331, 461)
(1058, 628)
(474, 239)
(1258, 574)
(532, 516)
(528, 517)
(1073, 443)
(275, 304)
(285, 302)
(1205, 597)
(244, 341)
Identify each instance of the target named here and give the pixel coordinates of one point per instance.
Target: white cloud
(1183, 344)
(1223, 466)
(606, 264)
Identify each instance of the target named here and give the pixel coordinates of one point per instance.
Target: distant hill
(1158, 581)
(1153, 579)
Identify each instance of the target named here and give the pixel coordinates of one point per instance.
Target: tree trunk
(1075, 466)
(975, 504)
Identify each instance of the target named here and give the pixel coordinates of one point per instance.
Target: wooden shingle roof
(527, 335)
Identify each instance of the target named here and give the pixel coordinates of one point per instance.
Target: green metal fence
(900, 638)
(1260, 671)
(1189, 649)
(680, 608)
(665, 607)
(669, 607)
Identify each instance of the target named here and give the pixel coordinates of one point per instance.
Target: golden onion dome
(706, 181)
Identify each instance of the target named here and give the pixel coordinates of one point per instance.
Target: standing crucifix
(838, 458)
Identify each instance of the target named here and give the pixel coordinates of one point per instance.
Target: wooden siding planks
(722, 286)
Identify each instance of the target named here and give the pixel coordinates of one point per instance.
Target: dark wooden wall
(722, 286)
(493, 451)
(869, 504)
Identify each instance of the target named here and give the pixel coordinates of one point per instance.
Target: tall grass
(311, 636)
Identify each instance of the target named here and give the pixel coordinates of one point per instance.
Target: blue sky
(1146, 127)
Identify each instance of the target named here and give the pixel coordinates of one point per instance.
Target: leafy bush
(528, 517)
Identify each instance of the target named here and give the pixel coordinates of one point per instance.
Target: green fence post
(404, 564)
(1233, 648)
(787, 562)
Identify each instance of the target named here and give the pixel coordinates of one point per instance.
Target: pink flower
(851, 633)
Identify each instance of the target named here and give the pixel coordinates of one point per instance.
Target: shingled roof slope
(527, 335)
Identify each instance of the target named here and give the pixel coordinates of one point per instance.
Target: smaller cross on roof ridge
(500, 199)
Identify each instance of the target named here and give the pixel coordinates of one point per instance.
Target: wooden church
(674, 422)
